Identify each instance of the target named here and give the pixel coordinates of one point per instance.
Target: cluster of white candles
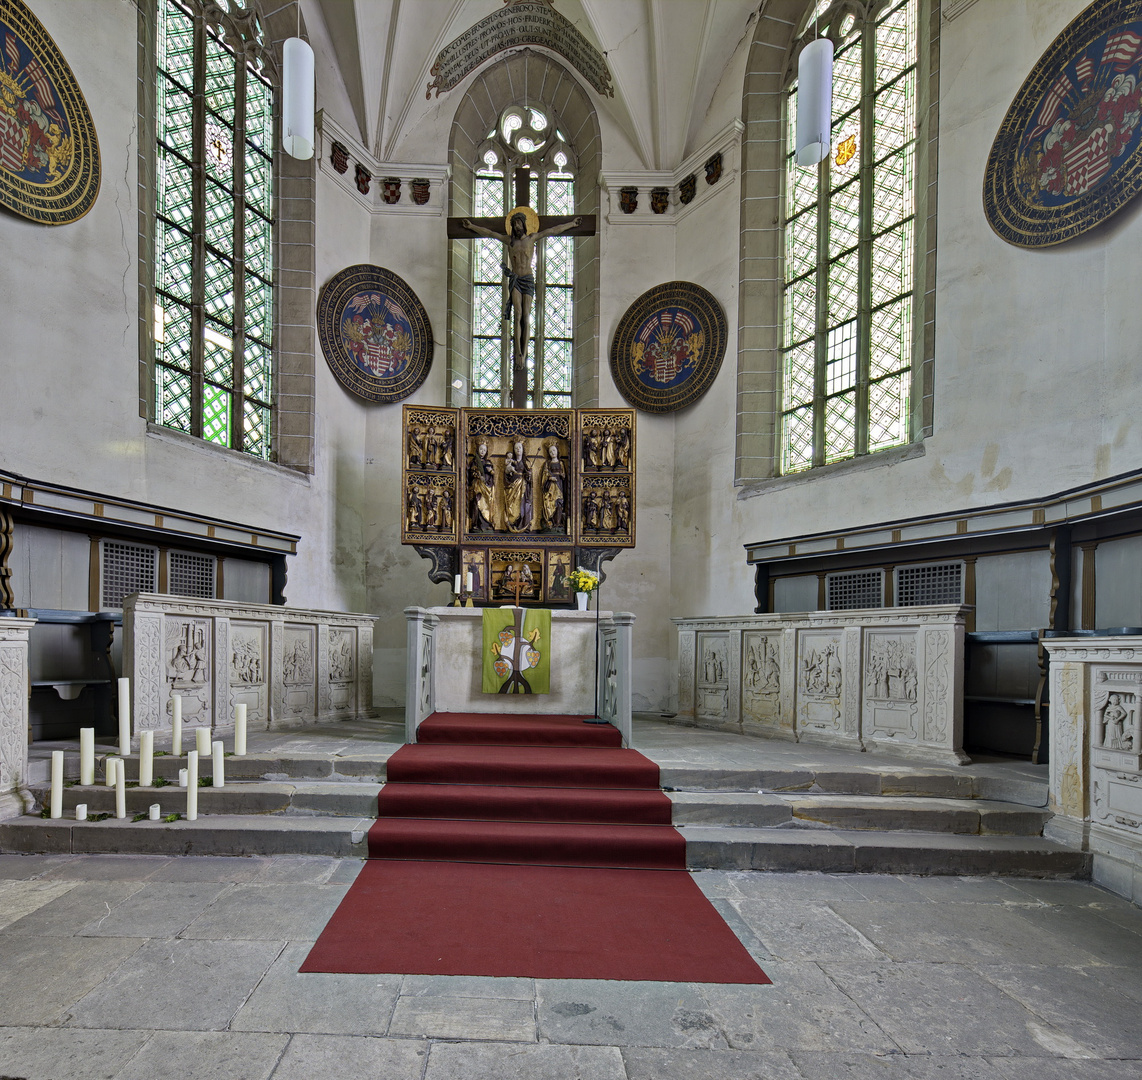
(116, 774)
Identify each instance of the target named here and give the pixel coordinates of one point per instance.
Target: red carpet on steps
(527, 846)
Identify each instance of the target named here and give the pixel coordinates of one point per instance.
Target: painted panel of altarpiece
(547, 481)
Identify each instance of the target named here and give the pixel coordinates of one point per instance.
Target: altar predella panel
(518, 492)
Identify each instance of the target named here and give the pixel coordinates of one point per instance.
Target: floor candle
(120, 789)
(87, 756)
(192, 785)
(146, 758)
(182, 778)
(219, 765)
(124, 717)
(240, 730)
(202, 741)
(154, 811)
(176, 725)
(56, 810)
(81, 811)
(109, 770)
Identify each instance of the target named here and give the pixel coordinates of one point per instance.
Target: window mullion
(820, 341)
(864, 242)
(538, 315)
(506, 374)
(238, 341)
(198, 230)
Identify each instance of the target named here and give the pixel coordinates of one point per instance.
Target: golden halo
(530, 217)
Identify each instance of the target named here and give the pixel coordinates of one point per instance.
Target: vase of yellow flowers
(584, 583)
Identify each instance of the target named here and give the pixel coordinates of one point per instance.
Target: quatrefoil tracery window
(524, 137)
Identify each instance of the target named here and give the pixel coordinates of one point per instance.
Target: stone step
(707, 847)
(223, 834)
(860, 812)
(340, 798)
(882, 853)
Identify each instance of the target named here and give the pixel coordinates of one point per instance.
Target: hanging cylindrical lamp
(814, 101)
(298, 98)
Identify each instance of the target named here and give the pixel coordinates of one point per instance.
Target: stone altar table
(14, 691)
(444, 671)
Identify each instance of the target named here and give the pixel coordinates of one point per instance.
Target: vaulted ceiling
(666, 58)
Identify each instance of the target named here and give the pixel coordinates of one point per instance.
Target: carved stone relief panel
(610, 688)
(299, 671)
(761, 676)
(1116, 717)
(820, 681)
(686, 662)
(938, 685)
(424, 676)
(150, 689)
(1116, 800)
(342, 667)
(713, 684)
(188, 649)
(13, 714)
(890, 685)
(249, 668)
(223, 706)
(1068, 794)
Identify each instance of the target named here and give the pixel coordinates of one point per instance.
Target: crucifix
(519, 233)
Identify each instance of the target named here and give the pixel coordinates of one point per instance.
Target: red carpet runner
(527, 846)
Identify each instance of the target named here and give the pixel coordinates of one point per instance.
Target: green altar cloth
(517, 651)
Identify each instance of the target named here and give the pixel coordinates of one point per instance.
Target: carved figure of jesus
(519, 247)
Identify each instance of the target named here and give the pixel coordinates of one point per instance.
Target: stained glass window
(847, 334)
(214, 225)
(524, 137)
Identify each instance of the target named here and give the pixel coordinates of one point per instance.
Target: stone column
(14, 688)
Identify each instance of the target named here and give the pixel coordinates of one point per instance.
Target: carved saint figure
(591, 511)
(518, 505)
(481, 489)
(624, 447)
(519, 246)
(553, 488)
(1114, 716)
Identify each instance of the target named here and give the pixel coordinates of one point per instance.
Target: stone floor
(137, 967)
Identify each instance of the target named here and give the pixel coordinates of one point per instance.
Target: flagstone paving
(133, 967)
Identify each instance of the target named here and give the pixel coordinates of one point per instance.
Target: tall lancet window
(214, 224)
(849, 245)
(525, 138)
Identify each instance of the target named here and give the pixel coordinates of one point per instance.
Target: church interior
(863, 520)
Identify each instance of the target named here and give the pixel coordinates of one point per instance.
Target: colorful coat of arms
(668, 347)
(375, 333)
(1068, 154)
(49, 155)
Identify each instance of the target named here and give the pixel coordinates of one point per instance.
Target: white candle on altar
(182, 778)
(468, 585)
(120, 789)
(87, 756)
(192, 786)
(154, 811)
(146, 757)
(176, 725)
(81, 811)
(56, 810)
(124, 717)
(218, 765)
(456, 587)
(109, 770)
(202, 741)
(240, 730)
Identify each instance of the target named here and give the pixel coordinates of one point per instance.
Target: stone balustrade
(590, 668)
(14, 691)
(288, 666)
(878, 679)
(1096, 754)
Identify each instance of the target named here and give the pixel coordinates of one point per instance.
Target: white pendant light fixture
(298, 98)
(814, 101)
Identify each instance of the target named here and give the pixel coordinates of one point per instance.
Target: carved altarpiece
(517, 498)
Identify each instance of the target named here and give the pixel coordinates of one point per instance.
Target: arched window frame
(780, 32)
(275, 402)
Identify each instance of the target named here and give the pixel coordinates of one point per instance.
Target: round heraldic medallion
(1068, 153)
(374, 332)
(49, 155)
(668, 347)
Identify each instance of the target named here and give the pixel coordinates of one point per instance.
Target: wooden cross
(458, 231)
